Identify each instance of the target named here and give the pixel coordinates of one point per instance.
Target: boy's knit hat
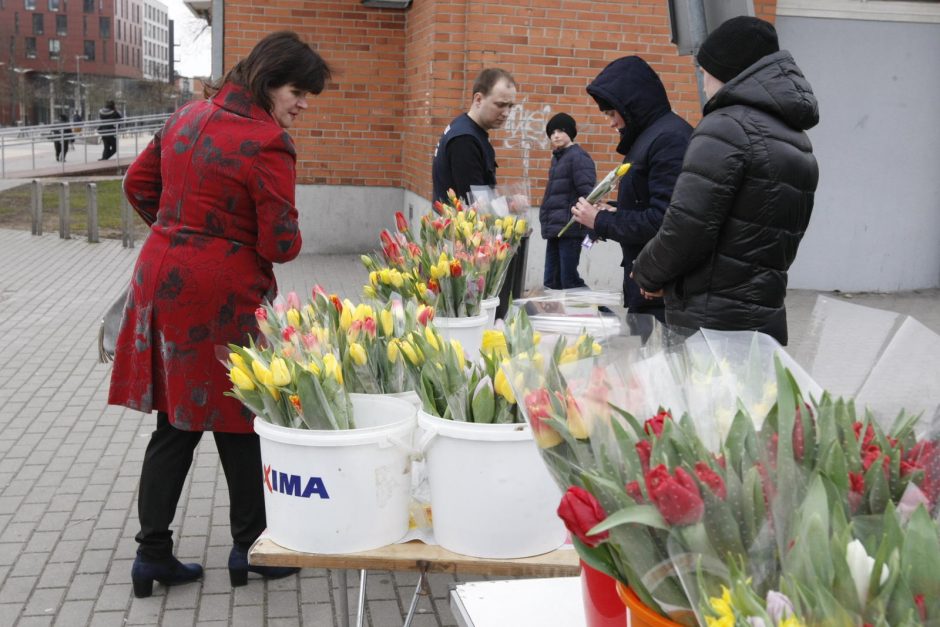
(564, 122)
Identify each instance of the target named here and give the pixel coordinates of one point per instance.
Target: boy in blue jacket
(571, 176)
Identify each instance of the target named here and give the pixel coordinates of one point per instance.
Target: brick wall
(403, 75)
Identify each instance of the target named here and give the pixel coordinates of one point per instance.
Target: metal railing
(65, 228)
(24, 148)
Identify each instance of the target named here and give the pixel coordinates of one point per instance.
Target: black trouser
(61, 148)
(166, 464)
(110, 146)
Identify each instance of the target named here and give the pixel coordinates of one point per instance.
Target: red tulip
(655, 424)
(712, 479)
(643, 450)
(401, 222)
(438, 207)
(337, 303)
(538, 405)
(288, 333)
(676, 495)
(634, 491)
(455, 269)
(580, 512)
(261, 314)
(921, 603)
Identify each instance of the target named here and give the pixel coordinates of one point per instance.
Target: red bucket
(602, 605)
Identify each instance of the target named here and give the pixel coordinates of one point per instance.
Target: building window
(29, 5)
(62, 25)
(30, 47)
(54, 48)
(38, 24)
(53, 5)
(16, 23)
(88, 6)
(89, 50)
(104, 27)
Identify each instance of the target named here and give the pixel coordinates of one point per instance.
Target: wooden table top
(417, 556)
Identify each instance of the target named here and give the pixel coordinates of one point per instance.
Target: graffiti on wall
(525, 130)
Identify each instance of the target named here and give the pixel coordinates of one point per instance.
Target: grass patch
(16, 207)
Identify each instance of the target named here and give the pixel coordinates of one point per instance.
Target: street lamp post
(78, 84)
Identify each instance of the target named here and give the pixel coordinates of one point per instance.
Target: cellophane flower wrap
(470, 388)
(714, 477)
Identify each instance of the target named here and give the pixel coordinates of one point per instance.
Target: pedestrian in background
(745, 195)
(108, 131)
(571, 176)
(653, 140)
(216, 185)
(61, 138)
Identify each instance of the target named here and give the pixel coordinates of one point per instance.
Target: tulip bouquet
(698, 512)
(363, 335)
(302, 391)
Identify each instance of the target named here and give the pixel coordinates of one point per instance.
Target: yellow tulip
(393, 351)
(429, 336)
(536, 338)
(458, 349)
(293, 318)
(410, 353)
(436, 272)
(494, 342)
(538, 360)
(237, 360)
(387, 321)
(395, 276)
(369, 292)
(346, 318)
(624, 167)
(596, 348)
(358, 354)
(332, 368)
(520, 227)
(261, 372)
(280, 373)
(502, 387)
(241, 380)
(374, 278)
(578, 425)
(568, 355)
(314, 368)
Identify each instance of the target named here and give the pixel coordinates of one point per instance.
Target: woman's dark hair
(279, 59)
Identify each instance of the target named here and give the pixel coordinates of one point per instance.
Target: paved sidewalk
(69, 464)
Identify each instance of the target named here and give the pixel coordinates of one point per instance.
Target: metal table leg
(423, 587)
(361, 612)
(343, 597)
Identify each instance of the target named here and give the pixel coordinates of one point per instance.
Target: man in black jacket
(653, 139)
(745, 194)
(108, 131)
(464, 156)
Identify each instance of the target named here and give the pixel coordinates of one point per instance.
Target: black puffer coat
(654, 141)
(571, 175)
(740, 206)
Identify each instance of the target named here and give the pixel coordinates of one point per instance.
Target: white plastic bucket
(491, 494)
(340, 491)
(468, 331)
(489, 306)
(411, 396)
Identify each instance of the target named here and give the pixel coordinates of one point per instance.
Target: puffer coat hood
(740, 206)
(631, 86)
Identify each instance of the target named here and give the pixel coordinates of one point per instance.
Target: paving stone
(213, 607)
(107, 619)
(86, 586)
(283, 605)
(181, 618)
(74, 613)
(56, 575)
(9, 612)
(44, 601)
(115, 597)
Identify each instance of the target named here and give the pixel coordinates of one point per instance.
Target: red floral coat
(216, 186)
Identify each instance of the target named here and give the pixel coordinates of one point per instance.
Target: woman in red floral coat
(216, 186)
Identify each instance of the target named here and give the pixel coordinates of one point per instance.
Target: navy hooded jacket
(571, 175)
(654, 141)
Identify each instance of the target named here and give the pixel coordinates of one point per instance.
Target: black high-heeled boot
(238, 568)
(169, 572)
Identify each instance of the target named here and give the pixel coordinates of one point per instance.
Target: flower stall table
(414, 556)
